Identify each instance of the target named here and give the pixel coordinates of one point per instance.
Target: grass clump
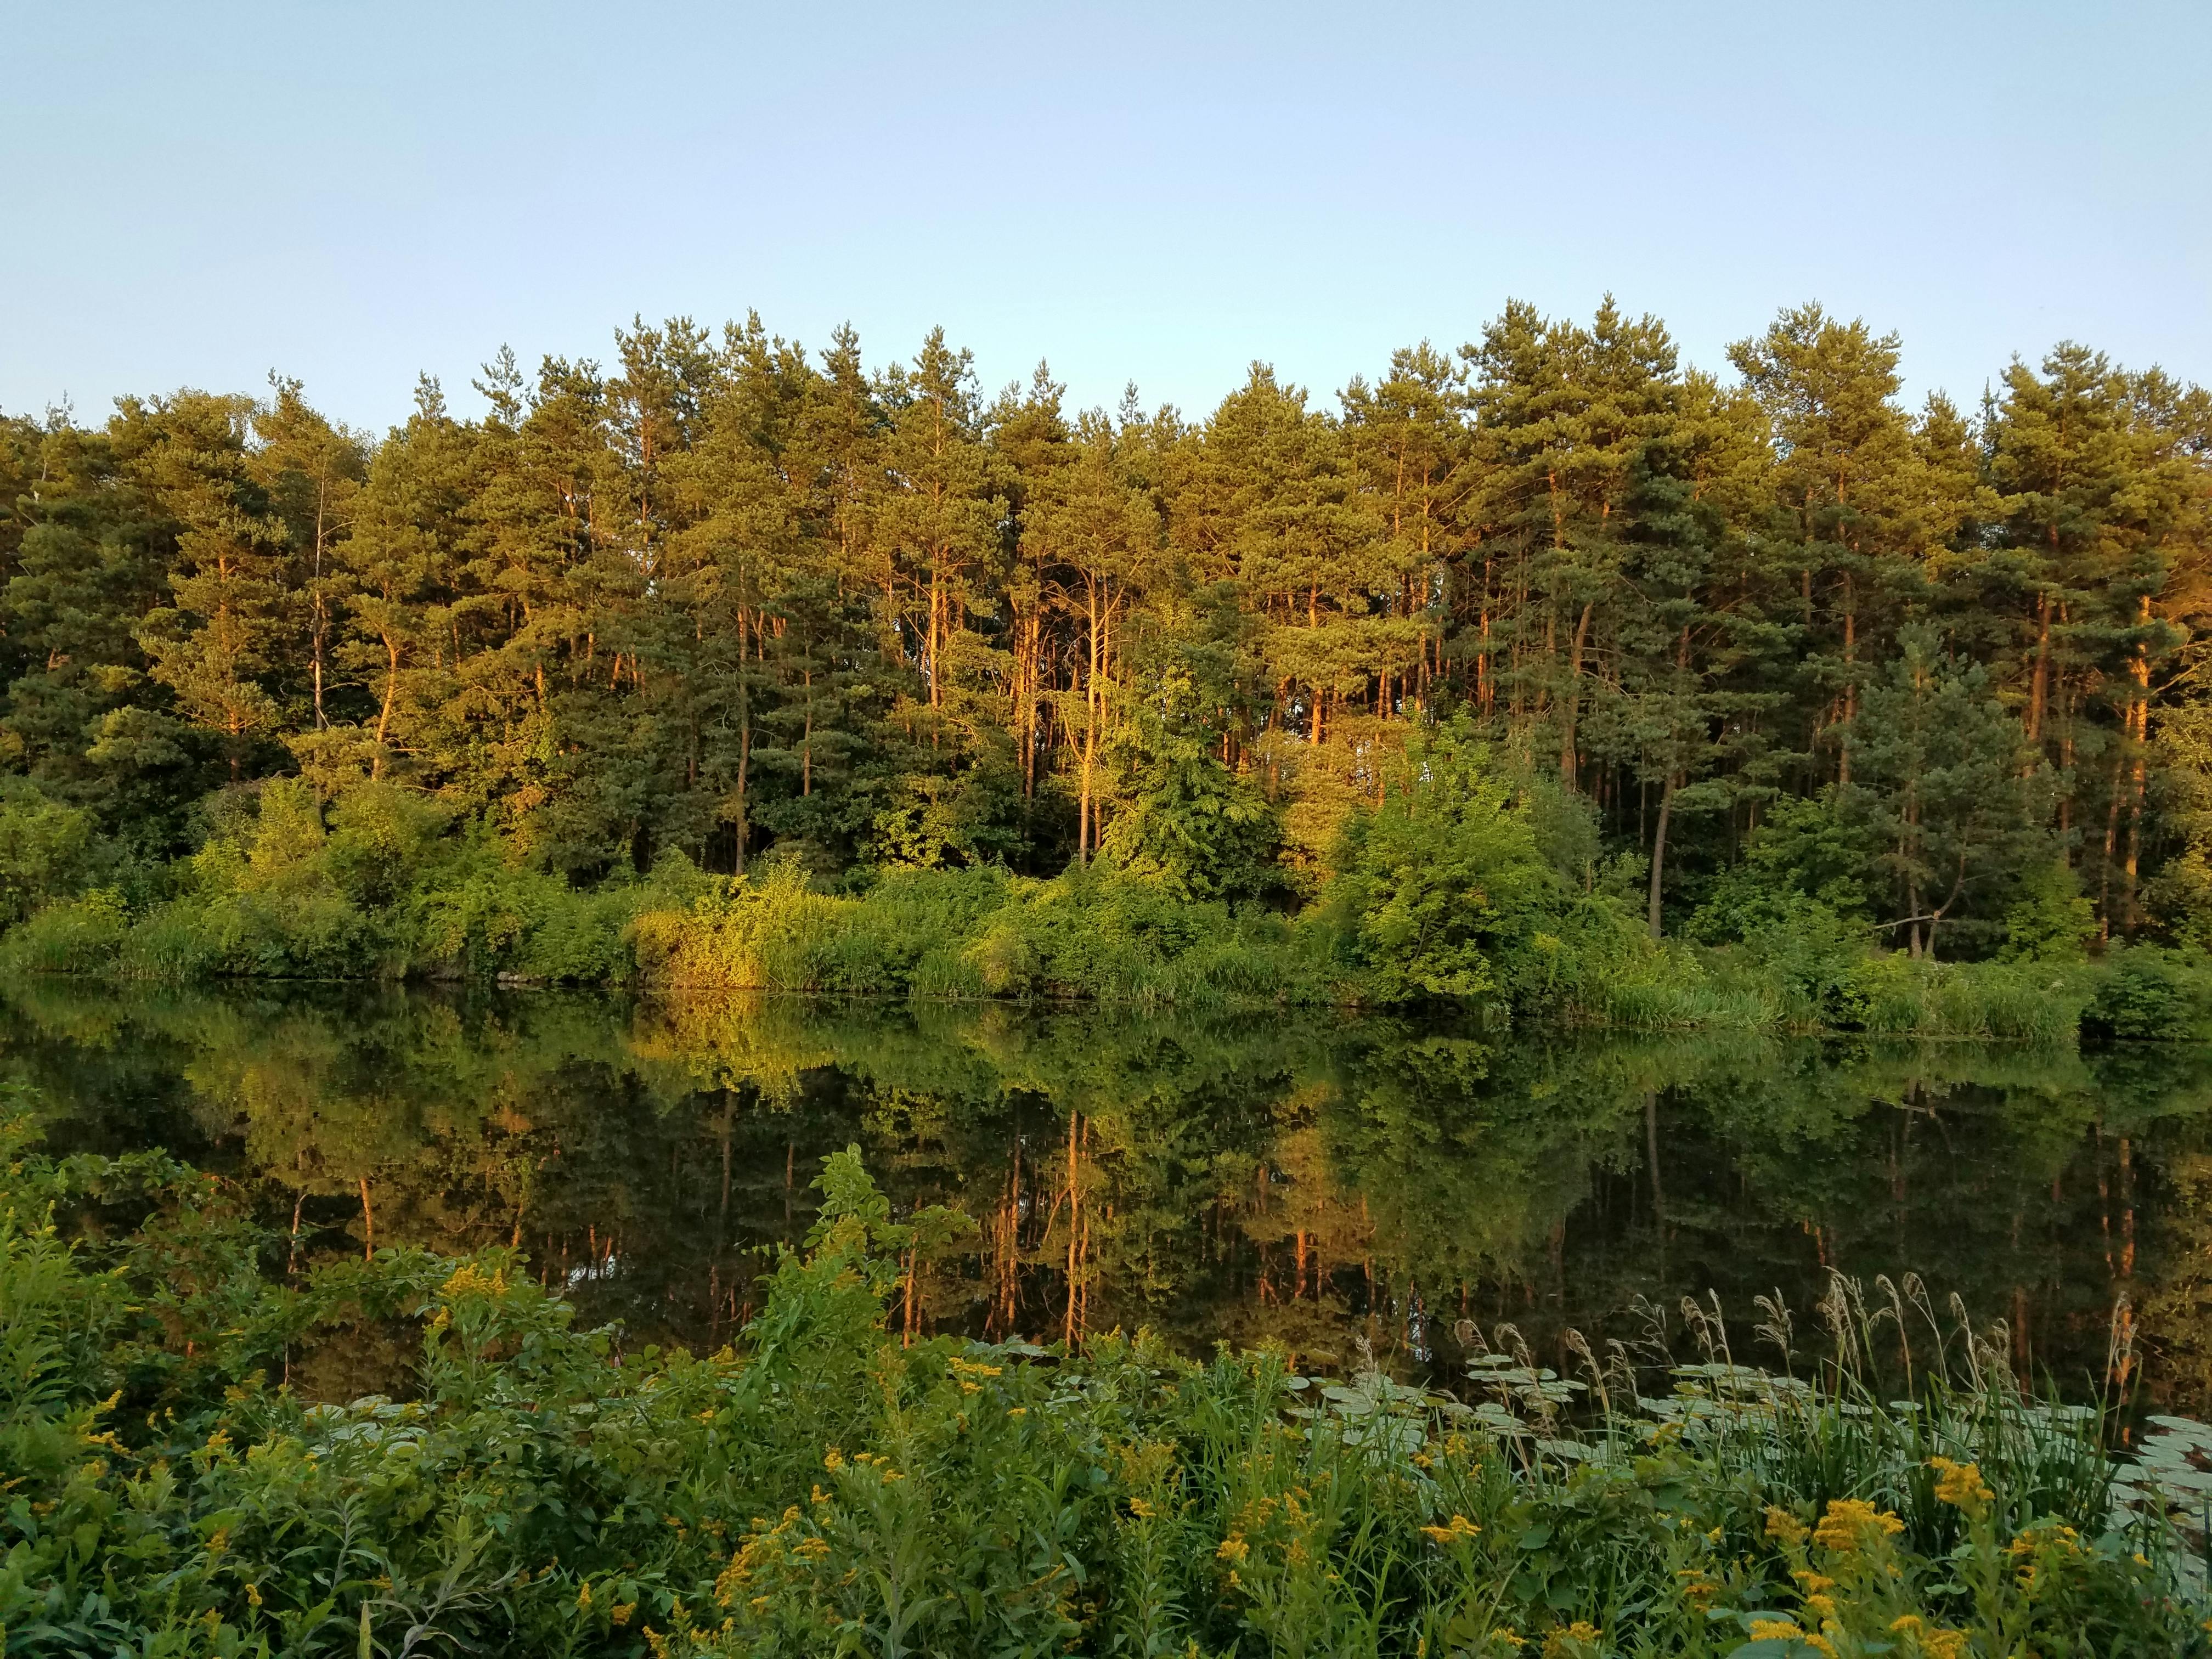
(825, 1485)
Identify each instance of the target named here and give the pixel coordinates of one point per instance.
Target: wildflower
(1564, 1643)
(1823, 1604)
(1505, 1633)
(1776, 1630)
(833, 1460)
(820, 1496)
(1018, 1411)
(1783, 1527)
(1849, 1520)
(584, 1597)
(1960, 1485)
(253, 1596)
(1457, 1527)
(621, 1611)
(1812, 1583)
(1233, 1549)
(1696, 1586)
(1140, 1509)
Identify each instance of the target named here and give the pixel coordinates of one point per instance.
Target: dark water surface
(1318, 1180)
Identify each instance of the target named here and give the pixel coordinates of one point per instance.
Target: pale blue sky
(198, 193)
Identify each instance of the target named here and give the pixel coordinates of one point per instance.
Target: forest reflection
(1325, 1182)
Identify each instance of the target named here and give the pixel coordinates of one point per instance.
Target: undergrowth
(824, 1486)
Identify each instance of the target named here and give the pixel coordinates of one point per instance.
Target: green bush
(2148, 994)
(1443, 890)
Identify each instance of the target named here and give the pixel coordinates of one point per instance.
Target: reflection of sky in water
(1317, 1181)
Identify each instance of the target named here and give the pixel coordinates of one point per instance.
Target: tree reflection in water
(1322, 1181)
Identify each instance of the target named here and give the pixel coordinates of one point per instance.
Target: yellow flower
(621, 1612)
(1944, 1644)
(1849, 1520)
(253, 1594)
(1960, 1485)
(1140, 1509)
(1783, 1527)
(1233, 1549)
(1018, 1411)
(833, 1460)
(1776, 1630)
(1823, 1604)
(1563, 1644)
(1459, 1527)
(584, 1597)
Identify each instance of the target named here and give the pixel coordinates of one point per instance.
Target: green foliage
(1441, 890)
(2154, 995)
(1090, 933)
(823, 1486)
(46, 850)
(325, 703)
(2052, 921)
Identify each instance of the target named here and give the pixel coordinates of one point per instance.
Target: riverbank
(1090, 934)
(533, 1488)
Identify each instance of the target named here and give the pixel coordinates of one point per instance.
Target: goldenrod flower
(1783, 1527)
(1849, 1520)
(1960, 1485)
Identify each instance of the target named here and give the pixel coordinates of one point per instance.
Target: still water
(1327, 1182)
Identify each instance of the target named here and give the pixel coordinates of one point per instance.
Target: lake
(1344, 1185)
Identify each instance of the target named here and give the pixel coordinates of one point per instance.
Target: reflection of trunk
(1074, 1229)
(1659, 850)
(1651, 1153)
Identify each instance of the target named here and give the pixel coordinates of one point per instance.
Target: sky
(355, 195)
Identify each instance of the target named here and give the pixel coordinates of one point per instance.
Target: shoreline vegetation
(1466, 887)
(825, 1484)
(1551, 675)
